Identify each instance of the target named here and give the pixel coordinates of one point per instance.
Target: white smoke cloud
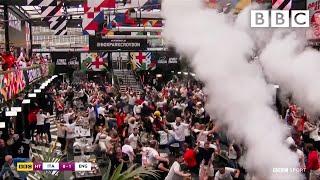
(286, 62)
(239, 94)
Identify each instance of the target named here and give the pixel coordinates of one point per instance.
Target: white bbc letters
(259, 18)
(300, 18)
(280, 18)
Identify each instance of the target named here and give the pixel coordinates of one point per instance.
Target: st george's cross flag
(94, 61)
(142, 61)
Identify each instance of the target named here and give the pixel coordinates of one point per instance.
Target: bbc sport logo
(280, 18)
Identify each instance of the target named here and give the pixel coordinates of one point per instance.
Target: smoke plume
(239, 95)
(285, 61)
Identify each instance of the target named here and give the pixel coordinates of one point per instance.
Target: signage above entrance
(100, 43)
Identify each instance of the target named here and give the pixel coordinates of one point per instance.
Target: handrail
(27, 68)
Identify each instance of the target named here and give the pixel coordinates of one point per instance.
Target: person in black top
(204, 153)
(20, 148)
(4, 150)
(101, 121)
(47, 128)
(145, 110)
(163, 168)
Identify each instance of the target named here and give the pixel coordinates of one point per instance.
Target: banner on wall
(314, 10)
(32, 75)
(168, 60)
(100, 43)
(11, 84)
(142, 61)
(116, 56)
(94, 61)
(66, 62)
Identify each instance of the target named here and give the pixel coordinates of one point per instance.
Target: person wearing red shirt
(189, 157)
(313, 162)
(32, 119)
(120, 117)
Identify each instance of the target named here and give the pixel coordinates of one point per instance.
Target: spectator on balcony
(21, 62)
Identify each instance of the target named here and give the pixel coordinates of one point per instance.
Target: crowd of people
(168, 130)
(22, 61)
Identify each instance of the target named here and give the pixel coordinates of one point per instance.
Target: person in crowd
(313, 162)
(9, 169)
(103, 139)
(175, 170)
(32, 122)
(70, 135)
(300, 154)
(59, 105)
(190, 158)
(226, 173)
(178, 135)
(134, 128)
(62, 134)
(150, 156)
(163, 168)
(47, 128)
(100, 121)
(134, 139)
(40, 126)
(4, 150)
(127, 149)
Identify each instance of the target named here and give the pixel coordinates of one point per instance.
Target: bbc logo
(280, 18)
(25, 166)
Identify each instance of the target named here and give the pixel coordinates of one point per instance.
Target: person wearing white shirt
(70, 128)
(132, 124)
(91, 117)
(151, 157)
(131, 101)
(67, 116)
(313, 130)
(137, 109)
(178, 134)
(175, 172)
(40, 125)
(300, 155)
(101, 110)
(226, 173)
(134, 139)
(127, 149)
(103, 139)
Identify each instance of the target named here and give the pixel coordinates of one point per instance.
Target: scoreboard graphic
(46, 166)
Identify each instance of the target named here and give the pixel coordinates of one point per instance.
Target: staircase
(127, 79)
